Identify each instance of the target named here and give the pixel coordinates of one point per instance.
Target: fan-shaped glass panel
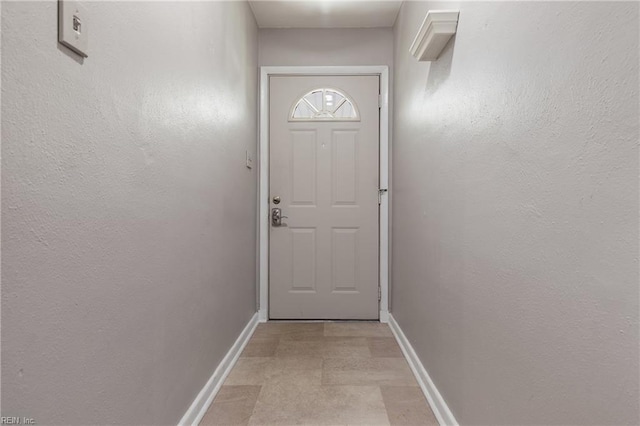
(324, 104)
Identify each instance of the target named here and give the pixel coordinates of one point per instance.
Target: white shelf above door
(435, 32)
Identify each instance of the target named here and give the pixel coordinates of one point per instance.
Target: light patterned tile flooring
(320, 373)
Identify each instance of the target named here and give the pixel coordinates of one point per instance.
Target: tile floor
(320, 373)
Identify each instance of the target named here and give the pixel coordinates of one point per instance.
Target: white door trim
(263, 173)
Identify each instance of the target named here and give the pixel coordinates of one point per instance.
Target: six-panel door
(324, 154)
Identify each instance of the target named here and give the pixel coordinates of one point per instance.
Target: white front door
(324, 161)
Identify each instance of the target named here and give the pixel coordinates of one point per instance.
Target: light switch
(73, 26)
(249, 160)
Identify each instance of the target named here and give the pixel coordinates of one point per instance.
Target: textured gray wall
(515, 248)
(316, 46)
(128, 216)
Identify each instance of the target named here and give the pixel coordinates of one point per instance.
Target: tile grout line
(384, 404)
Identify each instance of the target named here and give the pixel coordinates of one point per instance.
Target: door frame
(263, 175)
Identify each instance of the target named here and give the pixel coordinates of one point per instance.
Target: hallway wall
(128, 215)
(317, 46)
(515, 224)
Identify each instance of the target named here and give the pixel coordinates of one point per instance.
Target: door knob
(276, 217)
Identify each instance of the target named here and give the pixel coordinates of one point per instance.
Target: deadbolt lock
(277, 216)
(276, 199)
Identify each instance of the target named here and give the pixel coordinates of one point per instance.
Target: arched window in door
(324, 104)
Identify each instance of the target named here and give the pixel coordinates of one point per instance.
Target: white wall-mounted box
(435, 32)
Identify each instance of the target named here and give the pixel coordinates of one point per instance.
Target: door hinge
(379, 101)
(381, 192)
(379, 294)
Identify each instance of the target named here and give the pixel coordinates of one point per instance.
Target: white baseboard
(201, 404)
(384, 317)
(437, 403)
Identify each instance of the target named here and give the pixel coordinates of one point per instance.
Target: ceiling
(325, 14)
